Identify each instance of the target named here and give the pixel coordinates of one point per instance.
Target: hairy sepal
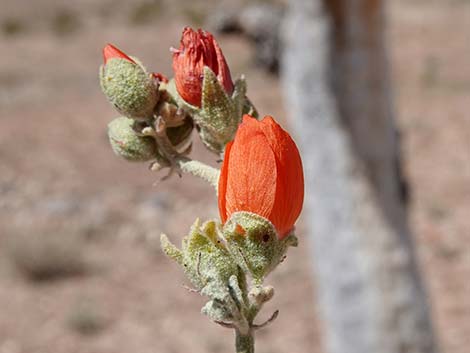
(254, 244)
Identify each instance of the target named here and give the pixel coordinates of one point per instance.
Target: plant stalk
(244, 343)
(199, 169)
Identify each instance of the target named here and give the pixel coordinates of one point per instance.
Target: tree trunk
(335, 74)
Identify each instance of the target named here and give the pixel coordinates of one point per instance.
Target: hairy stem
(244, 343)
(201, 170)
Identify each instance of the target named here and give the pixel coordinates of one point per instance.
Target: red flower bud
(262, 173)
(198, 49)
(110, 51)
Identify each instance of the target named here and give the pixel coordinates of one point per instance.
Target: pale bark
(336, 82)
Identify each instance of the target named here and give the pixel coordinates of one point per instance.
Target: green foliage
(218, 260)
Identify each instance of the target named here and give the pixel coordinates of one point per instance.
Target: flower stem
(199, 169)
(244, 343)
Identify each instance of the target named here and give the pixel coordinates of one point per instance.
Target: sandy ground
(68, 204)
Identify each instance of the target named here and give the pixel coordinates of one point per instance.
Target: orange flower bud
(262, 173)
(198, 49)
(110, 51)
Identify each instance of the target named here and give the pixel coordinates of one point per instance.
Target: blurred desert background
(81, 270)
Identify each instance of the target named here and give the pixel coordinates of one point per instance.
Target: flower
(262, 173)
(197, 50)
(110, 52)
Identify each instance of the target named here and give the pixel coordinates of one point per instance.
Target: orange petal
(251, 175)
(290, 181)
(110, 51)
(222, 192)
(223, 73)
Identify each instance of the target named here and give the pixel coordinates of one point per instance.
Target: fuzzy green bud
(129, 88)
(128, 144)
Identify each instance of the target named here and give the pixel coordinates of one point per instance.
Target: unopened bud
(199, 49)
(126, 84)
(128, 144)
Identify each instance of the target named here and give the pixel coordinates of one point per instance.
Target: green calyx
(220, 114)
(212, 271)
(129, 88)
(247, 242)
(218, 260)
(203, 255)
(254, 244)
(127, 144)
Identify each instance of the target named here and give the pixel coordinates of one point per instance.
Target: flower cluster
(260, 185)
